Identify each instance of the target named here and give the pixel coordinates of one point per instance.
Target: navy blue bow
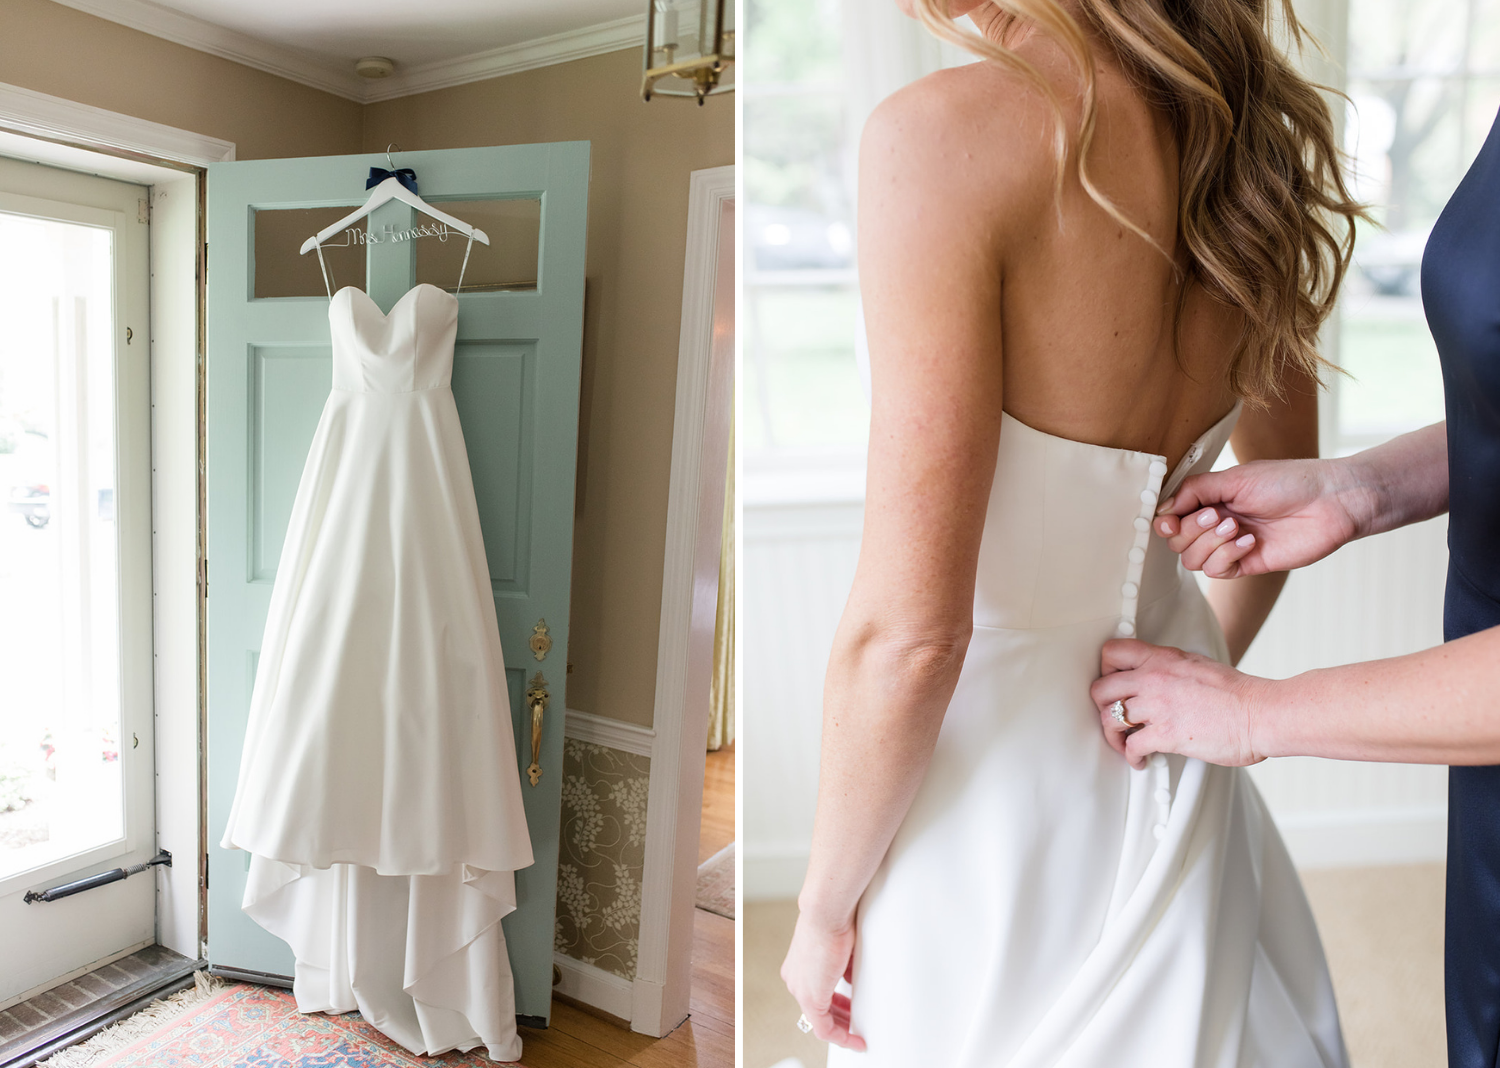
(406, 176)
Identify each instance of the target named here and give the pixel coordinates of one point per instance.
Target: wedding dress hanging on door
(379, 795)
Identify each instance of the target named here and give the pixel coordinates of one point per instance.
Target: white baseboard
(1366, 837)
(1361, 838)
(774, 872)
(593, 986)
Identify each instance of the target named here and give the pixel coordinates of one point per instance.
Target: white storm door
(76, 756)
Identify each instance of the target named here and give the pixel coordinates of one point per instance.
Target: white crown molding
(319, 73)
(26, 111)
(629, 32)
(225, 43)
(614, 733)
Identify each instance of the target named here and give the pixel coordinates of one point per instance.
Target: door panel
(77, 784)
(515, 381)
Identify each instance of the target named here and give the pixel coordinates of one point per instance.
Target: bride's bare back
(985, 290)
(1084, 311)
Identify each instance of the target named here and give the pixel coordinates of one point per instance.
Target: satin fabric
(1461, 296)
(1043, 905)
(378, 792)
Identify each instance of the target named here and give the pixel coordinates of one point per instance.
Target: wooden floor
(580, 1039)
(718, 803)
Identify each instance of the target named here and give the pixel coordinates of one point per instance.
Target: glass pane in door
(60, 783)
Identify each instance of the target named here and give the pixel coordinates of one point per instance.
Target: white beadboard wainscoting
(1375, 598)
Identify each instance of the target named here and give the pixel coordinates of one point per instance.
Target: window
(1424, 84)
(60, 768)
(803, 398)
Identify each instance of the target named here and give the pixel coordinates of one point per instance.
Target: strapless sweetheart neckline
(399, 300)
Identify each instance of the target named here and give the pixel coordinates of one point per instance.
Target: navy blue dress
(1461, 293)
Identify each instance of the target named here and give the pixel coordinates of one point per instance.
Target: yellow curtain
(721, 689)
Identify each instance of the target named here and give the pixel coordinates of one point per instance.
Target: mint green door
(516, 381)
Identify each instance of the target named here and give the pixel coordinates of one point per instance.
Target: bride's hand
(1178, 703)
(818, 957)
(1271, 515)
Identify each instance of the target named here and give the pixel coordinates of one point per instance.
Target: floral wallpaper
(603, 855)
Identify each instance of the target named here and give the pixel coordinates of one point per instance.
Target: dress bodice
(1067, 536)
(1461, 296)
(408, 350)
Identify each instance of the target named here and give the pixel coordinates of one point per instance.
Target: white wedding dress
(379, 793)
(1042, 904)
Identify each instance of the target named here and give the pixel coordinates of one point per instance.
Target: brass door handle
(536, 699)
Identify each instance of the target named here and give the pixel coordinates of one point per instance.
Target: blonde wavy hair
(1264, 216)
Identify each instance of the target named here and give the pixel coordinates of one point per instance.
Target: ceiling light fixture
(374, 67)
(689, 48)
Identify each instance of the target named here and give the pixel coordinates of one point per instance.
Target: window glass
(801, 382)
(281, 270)
(60, 743)
(1424, 85)
(508, 262)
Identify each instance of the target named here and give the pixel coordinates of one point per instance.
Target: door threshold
(35, 1029)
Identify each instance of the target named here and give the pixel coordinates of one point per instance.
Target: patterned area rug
(248, 1026)
(716, 882)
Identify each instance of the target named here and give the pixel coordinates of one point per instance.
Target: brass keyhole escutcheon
(536, 699)
(540, 640)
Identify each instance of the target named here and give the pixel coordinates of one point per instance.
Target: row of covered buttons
(1130, 592)
(1162, 794)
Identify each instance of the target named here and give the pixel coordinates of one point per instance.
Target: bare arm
(930, 276)
(1439, 706)
(1287, 430)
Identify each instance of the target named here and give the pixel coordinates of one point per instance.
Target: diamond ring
(804, 1024)
(1117, 711)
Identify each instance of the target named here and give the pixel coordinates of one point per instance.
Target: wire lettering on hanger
(356, 236)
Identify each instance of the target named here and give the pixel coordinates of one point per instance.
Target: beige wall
(57, 50)
(642, 157)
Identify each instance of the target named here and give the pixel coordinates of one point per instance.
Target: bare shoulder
(969, 132)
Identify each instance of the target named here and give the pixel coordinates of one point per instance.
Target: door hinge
(203, 577)
(143, 211)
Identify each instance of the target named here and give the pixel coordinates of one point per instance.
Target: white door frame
(63, 133)
(689, 601)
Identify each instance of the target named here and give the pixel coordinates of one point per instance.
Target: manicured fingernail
(1208, 517)
(1165, 528)
(1225, 527)
(1248, 539)
(1165, 506)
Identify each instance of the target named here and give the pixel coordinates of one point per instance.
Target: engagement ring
(1117, 710)
(804, 1024)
